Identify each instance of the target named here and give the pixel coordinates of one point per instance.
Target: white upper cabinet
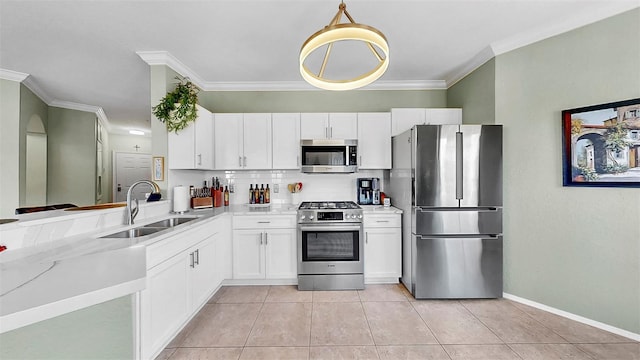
(405, 118)
(328, 126)
(192, 147)
(374, 140)
(343, 126)
(257, 141)
(286, 140)
(228, 129)
(242, 141)
(314, 126)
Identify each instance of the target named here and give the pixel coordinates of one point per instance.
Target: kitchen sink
(135, 232)
(170, 222)
(149, 229)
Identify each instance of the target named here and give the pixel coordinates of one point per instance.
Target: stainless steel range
(330, 246)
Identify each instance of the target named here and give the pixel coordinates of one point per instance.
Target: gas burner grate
(319, 205)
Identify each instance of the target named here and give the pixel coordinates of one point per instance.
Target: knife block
(201, 202)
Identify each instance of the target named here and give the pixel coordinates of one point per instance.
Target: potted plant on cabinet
(178, 108)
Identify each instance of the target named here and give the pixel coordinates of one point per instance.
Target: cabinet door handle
(199, 159)
(266, 238)
(193, 264)
(261, 238)
(245, 161)
(240, 161)
(382, 221)
(264, 222)
(331, 132)
(366, 237)
(197, 257)
(360, 160)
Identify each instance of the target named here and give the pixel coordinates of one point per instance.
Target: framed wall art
(158, 168)
(601, 145)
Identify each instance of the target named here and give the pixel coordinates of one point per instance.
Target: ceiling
(89, 54)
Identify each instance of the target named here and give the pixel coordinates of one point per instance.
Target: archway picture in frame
(601, 145)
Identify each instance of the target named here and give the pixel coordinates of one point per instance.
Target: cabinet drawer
(174, 244)
(382, 220)
(263, 222)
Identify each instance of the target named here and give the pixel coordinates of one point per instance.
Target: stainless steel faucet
(132, 212)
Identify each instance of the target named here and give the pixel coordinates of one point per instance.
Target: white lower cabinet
(382, 248)
(164, 304)
(183, 273)
(264, 247)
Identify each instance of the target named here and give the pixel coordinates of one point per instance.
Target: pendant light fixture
(335, 31)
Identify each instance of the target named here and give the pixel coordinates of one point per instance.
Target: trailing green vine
(178, 108)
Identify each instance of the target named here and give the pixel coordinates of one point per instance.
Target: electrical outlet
(276, 188)
(232, 188)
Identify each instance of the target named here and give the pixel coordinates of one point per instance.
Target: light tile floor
(383, 322)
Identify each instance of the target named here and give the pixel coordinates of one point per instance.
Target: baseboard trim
(578, 318)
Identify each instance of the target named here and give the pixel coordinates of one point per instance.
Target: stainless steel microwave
(329, 156)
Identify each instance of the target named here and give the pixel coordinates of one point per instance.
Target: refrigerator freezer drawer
(457, 268)
(457, 222)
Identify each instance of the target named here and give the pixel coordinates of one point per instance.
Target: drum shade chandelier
(334, 32)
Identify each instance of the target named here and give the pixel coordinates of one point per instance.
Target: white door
(127, 169)
(182, 148)
(314, 126)
(248, 254)
(382, 249)
(286, 140)
(164, 304)
(404, 119)
(228, 141)
(257, 141)
(374, 141)
(281, 254)
(203, 274)
(444, 116)
(204, 140)
(343, 126)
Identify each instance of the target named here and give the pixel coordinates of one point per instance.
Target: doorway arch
(36, 163)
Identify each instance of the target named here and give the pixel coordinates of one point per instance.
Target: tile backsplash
(315, 186)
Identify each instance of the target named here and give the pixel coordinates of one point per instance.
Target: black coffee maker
(368, 191)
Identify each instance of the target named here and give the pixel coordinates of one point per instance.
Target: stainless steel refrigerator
(447, 179)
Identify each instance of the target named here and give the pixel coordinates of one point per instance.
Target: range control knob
(353, 216)
(359, 216)
(302, 217)
(310, 217)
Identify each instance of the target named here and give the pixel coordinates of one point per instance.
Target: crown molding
(12, 75)
(470, 66)
(86, 108)
(572, 22)
(165, 58)
(30, 83)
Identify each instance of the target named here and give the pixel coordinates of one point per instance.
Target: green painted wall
(102, 331)
(30, 106)
(476, 95)
(71, 157)
(575, 249)
(9, 147)
(319, 101)
(163, 80)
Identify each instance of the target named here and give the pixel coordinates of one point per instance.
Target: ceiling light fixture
(136, 132)
(347, 31)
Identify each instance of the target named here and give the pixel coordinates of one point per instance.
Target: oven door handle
(334, 227)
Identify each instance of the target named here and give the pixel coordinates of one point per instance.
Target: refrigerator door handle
(459, 165)
(481, 236)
